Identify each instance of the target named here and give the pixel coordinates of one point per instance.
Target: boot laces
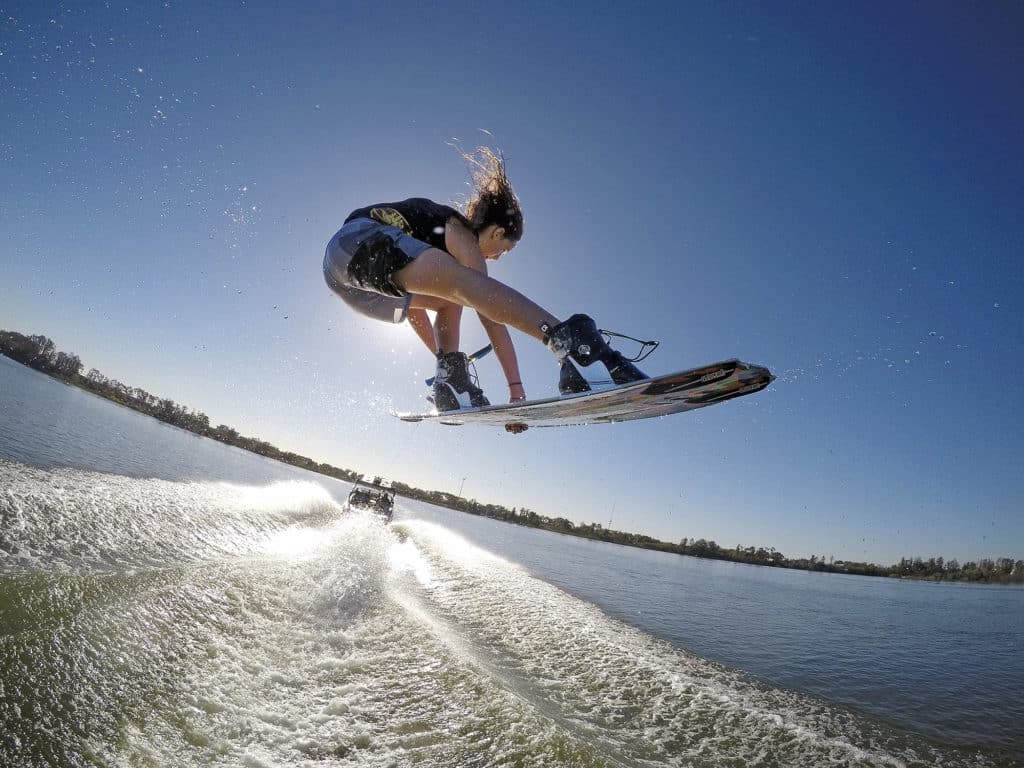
(451, 371)
(471, 374)
(646, 347)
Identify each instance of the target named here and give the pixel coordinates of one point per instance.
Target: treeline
(1001, 571)
(41, 353)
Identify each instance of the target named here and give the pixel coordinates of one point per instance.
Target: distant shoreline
(41, 354)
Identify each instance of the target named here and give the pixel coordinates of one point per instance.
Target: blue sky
(831, 190)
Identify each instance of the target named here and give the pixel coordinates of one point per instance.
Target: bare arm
(464, 246)
(506, 354)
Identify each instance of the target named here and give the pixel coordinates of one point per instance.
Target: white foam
(75, 519)
(612, 684)
(372, 650)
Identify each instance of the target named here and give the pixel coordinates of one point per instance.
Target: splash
(74, 519)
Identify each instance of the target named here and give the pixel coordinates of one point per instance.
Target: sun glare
(295, 542)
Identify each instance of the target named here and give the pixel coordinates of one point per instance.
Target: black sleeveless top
(418, 217)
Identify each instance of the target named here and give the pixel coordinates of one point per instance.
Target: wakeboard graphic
(646, 399)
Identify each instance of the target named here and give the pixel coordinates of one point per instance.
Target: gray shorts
(359, 265)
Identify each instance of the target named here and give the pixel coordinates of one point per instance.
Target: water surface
(167, 600)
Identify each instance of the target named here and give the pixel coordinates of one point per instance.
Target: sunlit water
(166, 600)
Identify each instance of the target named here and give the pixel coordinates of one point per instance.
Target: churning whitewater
(150, 622)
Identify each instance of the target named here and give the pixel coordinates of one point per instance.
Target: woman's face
(493, 242)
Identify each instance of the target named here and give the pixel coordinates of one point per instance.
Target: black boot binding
(577, 341)
(454, 386)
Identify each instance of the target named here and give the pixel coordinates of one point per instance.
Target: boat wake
(148, 622)
(82, 520)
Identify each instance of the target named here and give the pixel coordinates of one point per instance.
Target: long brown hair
(492, 200)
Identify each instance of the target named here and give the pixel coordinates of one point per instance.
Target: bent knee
(433, 303)
(432, 271)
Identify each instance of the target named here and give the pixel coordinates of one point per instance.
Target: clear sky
(833, 190)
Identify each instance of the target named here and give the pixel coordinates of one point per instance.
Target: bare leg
(435, 273)
(420, 323)
(447, 324)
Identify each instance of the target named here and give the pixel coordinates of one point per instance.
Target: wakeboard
(646, 399)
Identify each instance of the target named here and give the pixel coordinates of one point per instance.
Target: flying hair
(492, 200)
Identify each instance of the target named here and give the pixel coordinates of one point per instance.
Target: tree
(67, 365)
(45, 351)
(225, 434)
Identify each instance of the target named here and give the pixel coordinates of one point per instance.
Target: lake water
(168, 600)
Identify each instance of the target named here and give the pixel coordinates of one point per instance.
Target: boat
(377, 497)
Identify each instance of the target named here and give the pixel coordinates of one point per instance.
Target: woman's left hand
(516, 393)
